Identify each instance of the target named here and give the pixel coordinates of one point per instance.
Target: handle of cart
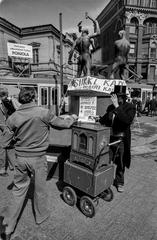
(113, 143)
(118, 142)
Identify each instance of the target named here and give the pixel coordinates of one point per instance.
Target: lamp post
(61, 55)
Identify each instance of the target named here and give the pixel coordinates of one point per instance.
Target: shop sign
(19, 50)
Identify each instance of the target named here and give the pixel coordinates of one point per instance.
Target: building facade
(45, 42)
(139, 19)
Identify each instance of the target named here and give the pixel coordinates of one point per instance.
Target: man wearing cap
(119, 116)
(6, 109)
(29, 127)
(82, 45)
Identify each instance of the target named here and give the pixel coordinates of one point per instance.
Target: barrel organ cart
(87, 172)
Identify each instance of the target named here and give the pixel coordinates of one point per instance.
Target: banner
(94, 84)
(19, 50)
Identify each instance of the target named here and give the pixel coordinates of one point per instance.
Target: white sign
(95, 84)
(87, 109)
(19, 50)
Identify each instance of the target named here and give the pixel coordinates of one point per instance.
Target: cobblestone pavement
(131, 215)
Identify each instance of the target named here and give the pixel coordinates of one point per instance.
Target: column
(139, 49)
(2, 46)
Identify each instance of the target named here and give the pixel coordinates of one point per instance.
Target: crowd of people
(151, 106)
(27, 129)
(24, 131)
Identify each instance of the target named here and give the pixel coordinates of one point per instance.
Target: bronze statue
(82, 45)
(122, 48)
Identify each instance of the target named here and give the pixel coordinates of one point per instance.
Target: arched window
(83, 142)
(150, 26)
(134, 25)
(153, 50)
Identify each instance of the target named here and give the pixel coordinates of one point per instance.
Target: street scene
(78, 120)
(131, 215)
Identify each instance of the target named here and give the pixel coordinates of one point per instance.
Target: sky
(26, 13)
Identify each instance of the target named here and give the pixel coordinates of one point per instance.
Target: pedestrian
(119, 116)
(82, 45)
(29, 127)
(147, 106)
(153, 106)
(6, 109)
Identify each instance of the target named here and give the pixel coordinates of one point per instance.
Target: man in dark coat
(6, 109)
(119, 117)
(29, 127)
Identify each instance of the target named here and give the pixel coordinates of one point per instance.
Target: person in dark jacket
(119, 117)
(6, 109)
(153, 106)
(29, 127)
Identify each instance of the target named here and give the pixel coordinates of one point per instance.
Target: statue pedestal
(103, 100)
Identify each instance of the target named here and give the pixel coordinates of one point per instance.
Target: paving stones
(130, 216)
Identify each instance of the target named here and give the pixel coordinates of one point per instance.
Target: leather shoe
(6, 236)
(120, 188)
(5, 174)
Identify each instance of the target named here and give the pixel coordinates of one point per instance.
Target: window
(54, 95)
(44, 96)
(152, 73)
(35, 55)
(134, 25)
(153, 51)
(145, 3)
(153, 4)
(132, 29)
(83, 142)
(144, 71)
(145, 50)
(132, 2)
(132, 50)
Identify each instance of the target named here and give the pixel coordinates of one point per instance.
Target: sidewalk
(131, 215)
(144, 135)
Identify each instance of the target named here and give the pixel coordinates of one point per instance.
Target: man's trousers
(117, 157)
(26, 170)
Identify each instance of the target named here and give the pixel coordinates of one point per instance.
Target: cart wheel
(69, 196)
(87, 206)
(107, 195)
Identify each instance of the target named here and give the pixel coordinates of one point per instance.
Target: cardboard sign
(87, 109)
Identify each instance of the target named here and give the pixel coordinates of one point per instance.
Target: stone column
(2, 46)
(139, 49)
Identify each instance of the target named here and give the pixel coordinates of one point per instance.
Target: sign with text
(87, 109)
(19, 50)
(95, 84)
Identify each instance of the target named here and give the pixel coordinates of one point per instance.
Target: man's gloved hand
(75, 117)
(2, 127)
(70, 62)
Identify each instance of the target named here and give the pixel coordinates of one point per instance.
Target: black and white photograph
(78, 119)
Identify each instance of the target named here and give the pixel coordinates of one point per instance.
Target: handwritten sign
(94, 84)
(87, 109)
